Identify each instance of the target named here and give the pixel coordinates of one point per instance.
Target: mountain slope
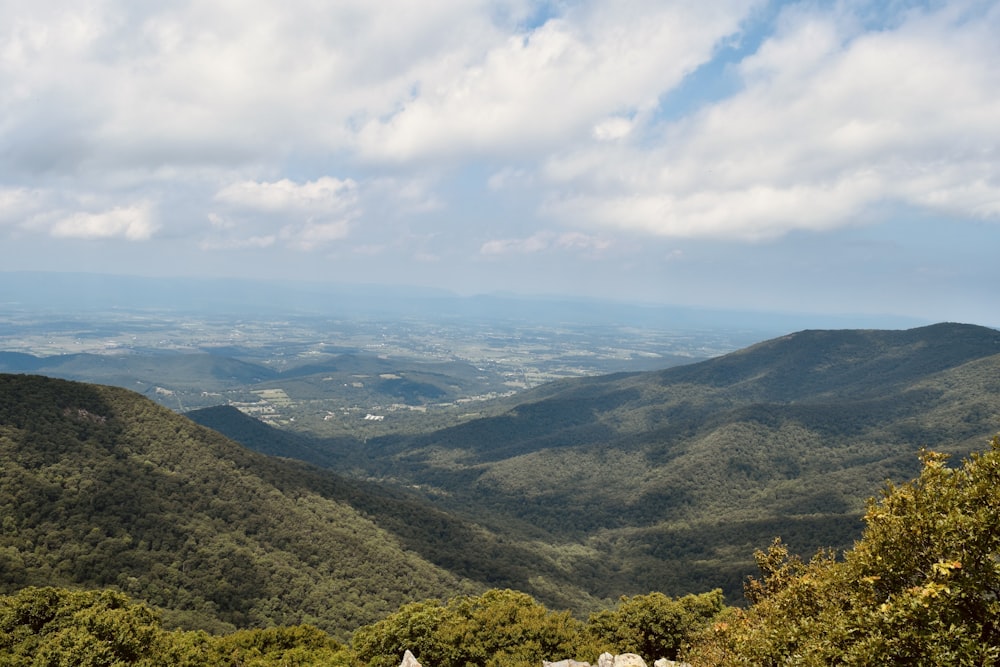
(262, 438)
(499, 559)
(811, 365)
(830, 385)
(185, 380)
(179, 370)
(669, 480)
(101, 487)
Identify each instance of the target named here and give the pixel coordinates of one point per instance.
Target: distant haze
(89, 295)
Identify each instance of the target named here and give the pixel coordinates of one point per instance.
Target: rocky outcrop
(606, 660)
(409, 660)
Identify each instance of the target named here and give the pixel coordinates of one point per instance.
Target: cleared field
(276, 397)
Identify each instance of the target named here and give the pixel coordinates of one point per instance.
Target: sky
(818, 156)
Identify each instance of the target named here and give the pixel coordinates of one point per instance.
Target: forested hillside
(579, 492)
(183, 380)
(101, 487)
(669, 480)
(919, 588)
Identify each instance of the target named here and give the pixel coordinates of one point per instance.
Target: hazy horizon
(93, 294)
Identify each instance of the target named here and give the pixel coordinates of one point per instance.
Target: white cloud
(580, 241)
(414, 194)
(524, 246)
(754, 213)
(220, 222)
(70, 215)
(584, 244)
(537, 90)
(324, 195)
(18, 203)
(305, 215)
(612, 128)
(176, 83)
(156, 98)
(444, 121)
(831, 124)
(134, 223)
(314, 234)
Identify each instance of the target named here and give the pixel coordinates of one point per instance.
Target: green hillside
(668, 480)
(310, 387)
(918, 588)
(101, 487)
(576, 492)
(517, 559)
(190, 371)
(265, 439)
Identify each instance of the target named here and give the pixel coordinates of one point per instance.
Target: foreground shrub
(507, 628)
(51, 626)
(921, 587)
(499, 627)
(55, 627)
(654, 626)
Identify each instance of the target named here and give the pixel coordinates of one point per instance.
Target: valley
(326, 375)
(582, 488)
(669, 480)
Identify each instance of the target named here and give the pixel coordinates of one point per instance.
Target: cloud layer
(832, 121)
(489, 129)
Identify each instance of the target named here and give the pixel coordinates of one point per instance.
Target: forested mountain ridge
(809, 367)
(102, 487)
(667, 480)
(212, 371)
(839, 364)
(185, 379)
(583, 490)
(586, 489)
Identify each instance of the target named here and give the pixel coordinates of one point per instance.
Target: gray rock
(569, 662)
(629, 660)
(606, 660)
(409, 660)
(663, 662)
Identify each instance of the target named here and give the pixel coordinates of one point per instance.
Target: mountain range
(669, 480)
(186, 380)
(577, 491)
(101, 487)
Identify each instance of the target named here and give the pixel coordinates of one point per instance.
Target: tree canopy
(59, 627)
(922, 586)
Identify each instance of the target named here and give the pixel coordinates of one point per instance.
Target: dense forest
(129, 533)
(101, 487)
(670, 480)
(920, 587)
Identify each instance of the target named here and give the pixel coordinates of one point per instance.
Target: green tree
(499, 627)
(654, 626)
(55, 627)
(413, 627)
(50, 626)
(922, 586)
(291, 646)
(509, 628)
